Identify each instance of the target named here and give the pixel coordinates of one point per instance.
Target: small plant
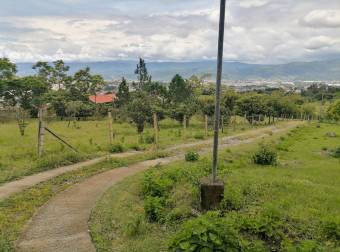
(336, 153)
(154, 208)
(199, 136)
(149, 139)
(206, 233)
(135, 226)
(117, 148)
(192, 156)
(265, 156)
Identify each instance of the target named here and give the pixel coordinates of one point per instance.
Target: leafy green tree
(139, 110)
(179, 89)
(7, 69)
(85, 84)
(252, 105)
(142, 74)
(26, 92)
(334, 111)
(45, 72)
(78, 109)
(123, 94)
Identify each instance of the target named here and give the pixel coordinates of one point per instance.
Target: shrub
(265, 156)
(154, 208)
(192, 156)
(336, 153)
(135, 226)
(199, 136)
(116, 148)
(206, 233)
(149, 139)
(331, 229)
(154, 185)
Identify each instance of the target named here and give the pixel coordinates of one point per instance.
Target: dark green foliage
(154, 208)
(142, 74)
(265, 156)
(155, 185)
(7, 69)
(139, 110)
(191, 156)
(331, 229)
(117, 148)
(207, 233)
(149, 139)
(123, 94)
(336, 153)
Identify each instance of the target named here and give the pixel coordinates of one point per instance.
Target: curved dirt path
(62, 223)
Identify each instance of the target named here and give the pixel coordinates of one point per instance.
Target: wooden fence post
(222, 123)
(41, 131)
(155, 126)
(110, 127)
(206, 125)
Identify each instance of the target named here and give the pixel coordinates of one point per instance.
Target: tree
(45, 72)
(252, 105)
(26, 92)
(142, 74)
(139, 110)
(59, 74)
(55, 74)
(334, 111)
(7, 69)
(179, 89)
(85, 84)
(123, 94)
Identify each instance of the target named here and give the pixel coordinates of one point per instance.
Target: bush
(135, 226)
(336, 153)
(154, 208)
(331, 229)
(154, 185)
(149, 139)
(265, 156)
(192, 156)
(199, 136)
(208, 233)
(116, 148)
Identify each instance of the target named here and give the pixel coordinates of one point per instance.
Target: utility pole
(218, 87)
(212, 190)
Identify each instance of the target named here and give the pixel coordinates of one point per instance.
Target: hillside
(317, 70)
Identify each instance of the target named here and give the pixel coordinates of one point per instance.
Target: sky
(257, 31)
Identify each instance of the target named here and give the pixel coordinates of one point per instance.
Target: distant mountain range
(164, 71)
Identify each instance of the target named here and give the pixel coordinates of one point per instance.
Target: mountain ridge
(164, 71)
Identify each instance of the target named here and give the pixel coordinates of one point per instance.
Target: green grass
(18, 209)
(18, 155)
(291, 206)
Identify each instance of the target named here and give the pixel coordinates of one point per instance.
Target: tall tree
(7, 69)
(59, 73)
(45, 72)
(142, 74)
(123, 94)
(179, 89)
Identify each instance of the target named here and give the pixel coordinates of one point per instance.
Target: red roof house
(102, 98)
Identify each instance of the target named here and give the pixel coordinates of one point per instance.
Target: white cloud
(322, 18)
(257, 31)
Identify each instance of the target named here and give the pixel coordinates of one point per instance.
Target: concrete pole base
(211, 194)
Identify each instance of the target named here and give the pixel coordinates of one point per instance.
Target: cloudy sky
(257, 31)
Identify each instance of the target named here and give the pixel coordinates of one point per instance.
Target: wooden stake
(155, 126)
(41, 132)
(222, 123)
(110, 127)
(206, 125)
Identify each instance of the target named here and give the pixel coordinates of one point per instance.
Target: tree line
(68, 95)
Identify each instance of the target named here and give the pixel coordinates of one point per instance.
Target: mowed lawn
(293, 206)
(18, 154)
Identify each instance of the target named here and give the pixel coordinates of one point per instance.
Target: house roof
(102, 98)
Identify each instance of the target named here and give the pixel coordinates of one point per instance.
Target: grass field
(18, 155)
(292, 206)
